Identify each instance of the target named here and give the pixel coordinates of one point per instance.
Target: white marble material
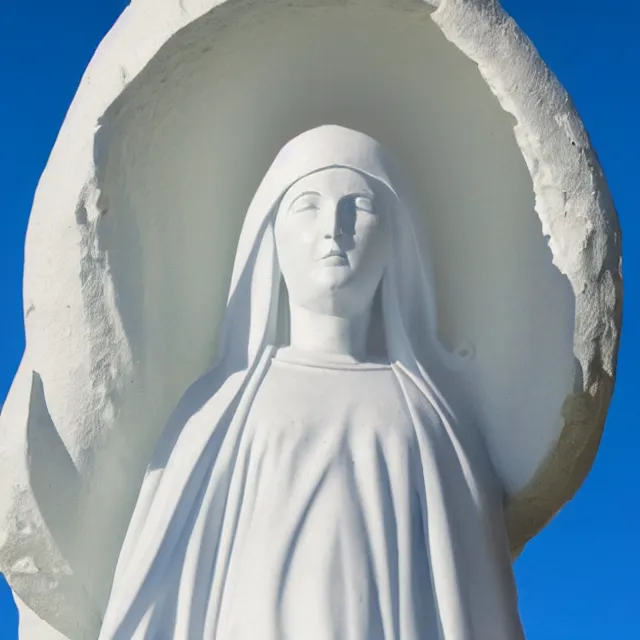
(135, 224)
(329, 496)
(32, 626)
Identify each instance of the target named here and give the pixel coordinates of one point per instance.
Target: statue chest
(329, 538)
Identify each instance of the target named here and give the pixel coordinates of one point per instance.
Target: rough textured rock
(138, 162)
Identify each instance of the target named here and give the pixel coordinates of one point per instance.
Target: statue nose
(333, 226)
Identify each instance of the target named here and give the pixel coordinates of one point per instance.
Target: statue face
(332, 241)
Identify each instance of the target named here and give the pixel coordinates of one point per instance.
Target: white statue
(345, 469)
(315, 491)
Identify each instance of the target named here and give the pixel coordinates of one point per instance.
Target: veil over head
(256, 275)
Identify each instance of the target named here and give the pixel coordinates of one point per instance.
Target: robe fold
(338, 504)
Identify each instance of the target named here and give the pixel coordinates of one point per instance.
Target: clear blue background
(579, 580)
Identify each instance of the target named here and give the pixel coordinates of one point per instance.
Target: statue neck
(313, 332)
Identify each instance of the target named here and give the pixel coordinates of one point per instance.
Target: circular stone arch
(132, 236)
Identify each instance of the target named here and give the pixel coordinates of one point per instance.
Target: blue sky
(579, 579)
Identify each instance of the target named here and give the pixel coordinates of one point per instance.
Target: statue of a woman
(340, 472)
(321, 480)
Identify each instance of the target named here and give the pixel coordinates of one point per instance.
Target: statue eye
(306, 202)
(364, 203)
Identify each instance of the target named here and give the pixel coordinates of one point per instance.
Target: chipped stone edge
(572, 201)
(571, 198)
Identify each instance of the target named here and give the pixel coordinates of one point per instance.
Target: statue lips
(335, 258)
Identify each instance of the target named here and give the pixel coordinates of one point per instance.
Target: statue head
(332, 241)
(331, 219)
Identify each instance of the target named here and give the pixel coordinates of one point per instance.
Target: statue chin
(291, 404)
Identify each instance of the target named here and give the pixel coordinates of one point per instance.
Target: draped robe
(293, 497)
(351, 512)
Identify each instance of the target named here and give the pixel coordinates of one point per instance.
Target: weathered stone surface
(176, 119)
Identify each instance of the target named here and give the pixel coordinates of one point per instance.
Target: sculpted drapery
(128, 259)
(427, 555)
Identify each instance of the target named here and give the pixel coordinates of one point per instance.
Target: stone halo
(177, 118)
